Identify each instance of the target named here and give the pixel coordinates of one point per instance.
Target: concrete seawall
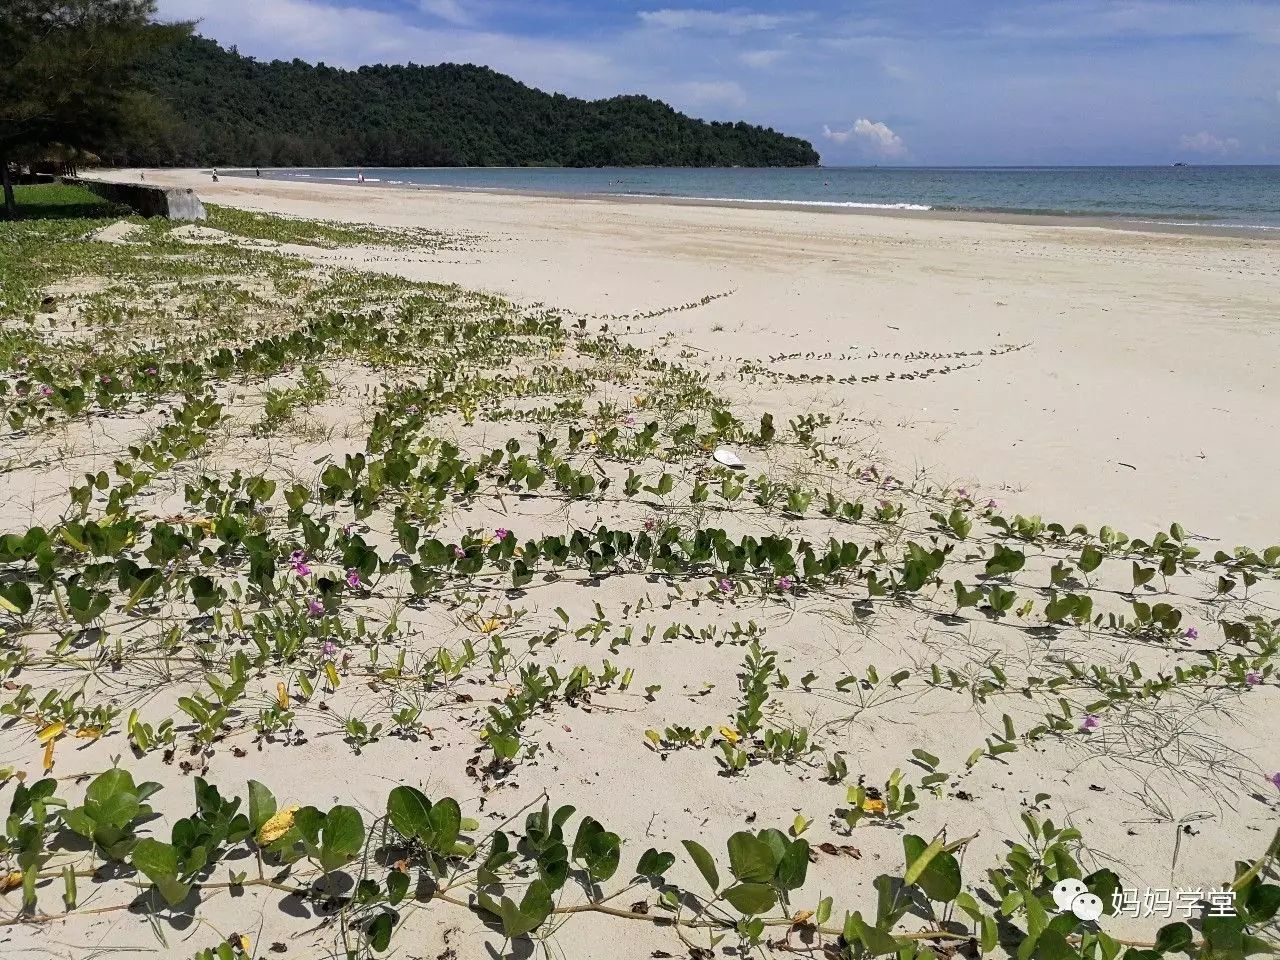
(175, 203)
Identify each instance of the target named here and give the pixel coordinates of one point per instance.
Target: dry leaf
(11, 881)
(277, 826)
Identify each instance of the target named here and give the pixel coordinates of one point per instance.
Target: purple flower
(105, 378)
(1252, 678)
(630, 421)
(301, 569)
(1091, 723)
(502, 533)
(315, 607)
(460, 553)
(298, 556)
(152, 371)
(353, 577)
(411, 409)
(329, 650)
(991, 505)
(785, 584)
(1275, 780)
(46, 391)
(1192, 633)
(650, 524)
(962, 492)
(725, 585)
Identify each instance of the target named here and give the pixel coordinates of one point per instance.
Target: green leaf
(919, 856)
(409, 811)
(159, 863)
(794, 866)
(1174, 938)
(750, 858)
(1052, 945)
(380, 931)
(751, 898)
(875, 940)
(705, 863)
(341, 837)
(397, 886)
(446, 822)
(15, 597)
(262, 805)
(654, 864)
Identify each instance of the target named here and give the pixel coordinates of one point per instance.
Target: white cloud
(712, 21)
(761, 58)
(448, 10)
(1208, 143)
(874, 138)
(348, 35)
(703, 93)
(1139, 19)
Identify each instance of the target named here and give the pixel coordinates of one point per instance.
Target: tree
(67, 73)
(232, 110)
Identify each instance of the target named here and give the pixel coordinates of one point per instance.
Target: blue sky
(884, 81)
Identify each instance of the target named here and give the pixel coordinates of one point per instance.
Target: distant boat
(1179, 164)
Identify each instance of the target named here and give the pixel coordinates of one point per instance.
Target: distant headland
(228, 109)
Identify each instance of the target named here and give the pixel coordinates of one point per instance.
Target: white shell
(727, 457)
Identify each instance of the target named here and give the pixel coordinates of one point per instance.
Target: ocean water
(1245, 196)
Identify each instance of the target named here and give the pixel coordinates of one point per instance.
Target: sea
(1193, 195)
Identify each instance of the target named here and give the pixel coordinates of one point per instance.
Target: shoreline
(904, 211)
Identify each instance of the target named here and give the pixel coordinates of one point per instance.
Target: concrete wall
(150, 201)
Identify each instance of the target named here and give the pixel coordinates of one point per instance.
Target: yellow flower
(730, 734)
(492, 625)
(277, 826)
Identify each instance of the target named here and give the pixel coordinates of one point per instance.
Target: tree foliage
(234, 110)
(68, 71)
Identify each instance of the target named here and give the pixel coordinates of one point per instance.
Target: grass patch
(319, 233)
(61, 201)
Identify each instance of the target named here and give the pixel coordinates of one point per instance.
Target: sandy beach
(413, 525)
(1140, 397)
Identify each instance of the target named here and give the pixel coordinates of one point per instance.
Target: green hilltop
(226, 109)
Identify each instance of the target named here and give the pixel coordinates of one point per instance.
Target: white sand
(1142, 398)
(1151, 350)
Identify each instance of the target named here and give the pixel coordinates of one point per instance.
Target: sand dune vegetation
(343, 614)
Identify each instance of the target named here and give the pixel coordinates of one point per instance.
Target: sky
(914, 82)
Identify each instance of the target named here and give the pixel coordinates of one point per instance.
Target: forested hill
(228, 110)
